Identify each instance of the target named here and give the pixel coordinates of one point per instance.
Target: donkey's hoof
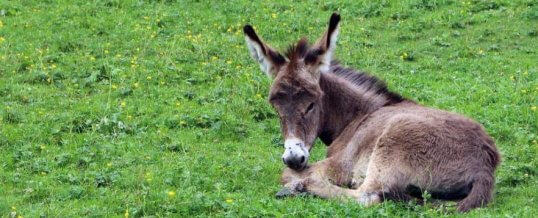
(285, 192)
(368, 199)
(291, 189)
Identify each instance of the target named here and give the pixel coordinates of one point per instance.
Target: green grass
(156, 109)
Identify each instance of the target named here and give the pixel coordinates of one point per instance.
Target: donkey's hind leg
(384, 180)
(374, 191)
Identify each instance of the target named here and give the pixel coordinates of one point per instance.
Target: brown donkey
(381, 146)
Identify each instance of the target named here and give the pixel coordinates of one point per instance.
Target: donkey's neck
(344, 102)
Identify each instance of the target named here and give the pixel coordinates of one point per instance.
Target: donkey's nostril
(302, 159)
(298, 144)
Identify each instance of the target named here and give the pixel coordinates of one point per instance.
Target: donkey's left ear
(322, 52)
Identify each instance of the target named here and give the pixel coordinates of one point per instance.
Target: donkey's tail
(484, 180)
(480, 193)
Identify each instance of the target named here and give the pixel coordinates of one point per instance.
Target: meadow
(153, 108)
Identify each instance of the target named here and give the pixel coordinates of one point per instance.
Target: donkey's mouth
(298, 164)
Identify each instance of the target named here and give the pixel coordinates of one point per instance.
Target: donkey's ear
(270, 61)
(322, 52)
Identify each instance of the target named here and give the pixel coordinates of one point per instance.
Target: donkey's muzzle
(296, 155)
(296, 162)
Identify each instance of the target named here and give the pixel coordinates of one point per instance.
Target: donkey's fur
(380, 144)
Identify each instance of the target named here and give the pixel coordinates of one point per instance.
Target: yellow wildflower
(171, 194)
(229, 200)
(533, 108)
(2, 39)
(123, 104)
(109, 164)
(148, 78)
(273, 15)
(126, 213)
(1, 24)
(135, 85)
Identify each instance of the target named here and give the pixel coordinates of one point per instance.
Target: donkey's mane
(361, 80)
(296, 52)
(366, 82)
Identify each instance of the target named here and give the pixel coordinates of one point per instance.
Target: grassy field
(154, 108)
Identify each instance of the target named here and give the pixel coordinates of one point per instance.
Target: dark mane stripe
(368, 82)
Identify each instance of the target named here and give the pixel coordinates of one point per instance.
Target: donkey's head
(295, 92)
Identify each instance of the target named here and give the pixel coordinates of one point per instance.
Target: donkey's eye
(309, 108)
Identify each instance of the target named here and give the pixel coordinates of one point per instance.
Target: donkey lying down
(381, 145)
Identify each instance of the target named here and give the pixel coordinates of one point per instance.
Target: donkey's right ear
(270, 61)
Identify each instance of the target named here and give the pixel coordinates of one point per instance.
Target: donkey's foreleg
(324, 188)
(314, 180)
(318, 186)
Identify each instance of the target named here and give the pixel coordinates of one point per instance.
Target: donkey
(381, 145)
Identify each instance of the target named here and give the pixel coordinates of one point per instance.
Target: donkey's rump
(435, 151)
